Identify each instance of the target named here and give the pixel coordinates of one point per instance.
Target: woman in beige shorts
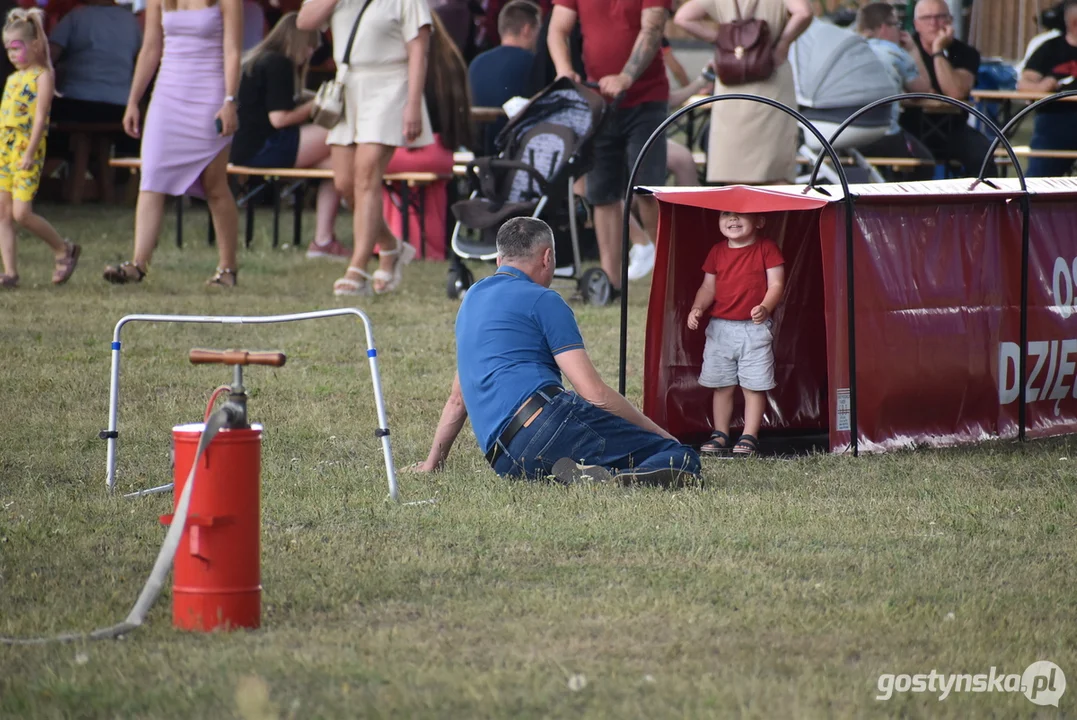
(384, 110)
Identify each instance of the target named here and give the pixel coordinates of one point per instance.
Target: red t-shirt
(740, 276)
(609, 29)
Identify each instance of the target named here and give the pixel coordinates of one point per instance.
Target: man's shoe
(569, 472)
(640, 261)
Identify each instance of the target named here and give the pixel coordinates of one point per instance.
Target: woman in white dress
(384, 110)
(751, 143)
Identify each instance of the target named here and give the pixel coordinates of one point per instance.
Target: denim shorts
(279, 151)
(738, 352)
(617, 145)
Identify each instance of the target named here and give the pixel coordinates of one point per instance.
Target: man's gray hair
(523, 237)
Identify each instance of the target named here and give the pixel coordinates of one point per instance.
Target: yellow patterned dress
(17, 111)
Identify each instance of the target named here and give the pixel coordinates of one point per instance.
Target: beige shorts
(738, 352)
(374, 103)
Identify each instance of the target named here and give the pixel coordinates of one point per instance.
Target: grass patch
(782, 589)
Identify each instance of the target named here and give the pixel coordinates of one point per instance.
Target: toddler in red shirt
(742, 285)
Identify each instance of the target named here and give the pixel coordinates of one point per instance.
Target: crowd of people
(418, 66)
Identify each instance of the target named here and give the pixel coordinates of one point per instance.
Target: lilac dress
(179, 138)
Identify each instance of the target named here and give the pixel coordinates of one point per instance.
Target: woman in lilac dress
(197, 49)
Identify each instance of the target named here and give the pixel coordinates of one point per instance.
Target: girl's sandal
(718, 444)
(224, 277)
(124, 273)
(66, 265)
(347, 286)
(9, 282)
(747, 446)
(390, 281)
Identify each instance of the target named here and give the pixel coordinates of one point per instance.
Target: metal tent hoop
(112, 433)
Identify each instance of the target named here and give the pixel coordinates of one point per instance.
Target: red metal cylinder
(217, 571)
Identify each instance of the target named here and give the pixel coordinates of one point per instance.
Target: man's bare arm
(648, 41)
(453, 417)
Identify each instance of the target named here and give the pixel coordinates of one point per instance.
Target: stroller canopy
(835, 68)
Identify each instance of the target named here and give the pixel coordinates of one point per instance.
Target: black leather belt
(533, 404)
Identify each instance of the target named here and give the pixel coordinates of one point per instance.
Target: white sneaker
(640, 261)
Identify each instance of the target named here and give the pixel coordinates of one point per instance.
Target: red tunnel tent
(937, 311)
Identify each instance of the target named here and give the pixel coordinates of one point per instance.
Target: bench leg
(179, 221)
(297, 219)
(422, 222)
(276, 213)
(250, 218)
(80, 164)
(106, 177)
(405, 212)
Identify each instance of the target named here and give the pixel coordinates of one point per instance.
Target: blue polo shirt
(508, 331)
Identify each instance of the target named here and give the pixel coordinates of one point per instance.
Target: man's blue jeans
(571, 427)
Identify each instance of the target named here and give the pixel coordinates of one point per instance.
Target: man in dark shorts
(621, 52)
(1052, 67)
(514, 339)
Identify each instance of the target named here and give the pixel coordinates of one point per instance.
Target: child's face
(17, 51)
(739, 226)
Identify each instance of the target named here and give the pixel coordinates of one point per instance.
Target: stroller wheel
(595, 287)
(458, 282)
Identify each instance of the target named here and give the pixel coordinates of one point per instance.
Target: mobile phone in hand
(219, 125)
(708, 73)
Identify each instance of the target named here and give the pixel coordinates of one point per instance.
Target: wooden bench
(409, 182)
(85, 138)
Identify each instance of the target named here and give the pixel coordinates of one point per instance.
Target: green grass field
(781, 589)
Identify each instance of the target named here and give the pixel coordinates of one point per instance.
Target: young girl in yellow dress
(24, 122)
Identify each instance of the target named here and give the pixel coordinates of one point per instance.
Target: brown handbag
(743, 52)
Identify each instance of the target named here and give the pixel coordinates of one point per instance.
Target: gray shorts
(738, 352)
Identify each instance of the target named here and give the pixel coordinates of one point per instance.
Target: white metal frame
(111, 435)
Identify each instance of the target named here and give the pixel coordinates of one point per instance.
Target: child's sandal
(718, 444)
(9, 282)
(224, 277)
(126, 272)
(746, 447)
(66, 265)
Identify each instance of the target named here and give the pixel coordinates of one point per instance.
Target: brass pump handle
(200, 356)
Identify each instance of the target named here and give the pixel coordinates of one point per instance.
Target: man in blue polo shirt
(514, 339)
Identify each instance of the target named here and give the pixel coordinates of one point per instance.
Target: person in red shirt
(621, 52)
(744, 276)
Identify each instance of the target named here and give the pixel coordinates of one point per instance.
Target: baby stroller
(836, 73)
(541, 152)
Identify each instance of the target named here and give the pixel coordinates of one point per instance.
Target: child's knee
(21, 212)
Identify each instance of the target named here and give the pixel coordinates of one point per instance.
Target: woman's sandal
(751, 445)
(65, 266)
(123, 273)
(390, 281)
(224, 277)
(718, 444)
(350, 286)
(9, 282)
